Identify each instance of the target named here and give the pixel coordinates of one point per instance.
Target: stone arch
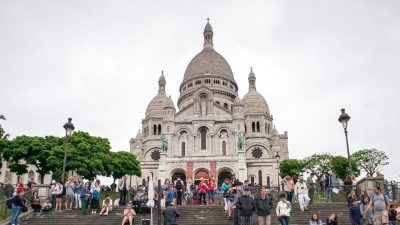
(178, 172)
(266, 152)
(201, 172)
(183, 128)
(224, 172)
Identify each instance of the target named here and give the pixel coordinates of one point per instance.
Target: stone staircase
(191, 215)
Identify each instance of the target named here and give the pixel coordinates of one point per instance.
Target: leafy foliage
(340, 166)
(88, 155)
(291, 167)
(319, 164)
(122, 163)
(370, 160)
(3, 134)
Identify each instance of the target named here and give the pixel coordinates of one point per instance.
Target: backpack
(9, 202)
(179, 184)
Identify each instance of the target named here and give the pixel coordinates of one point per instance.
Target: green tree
(369, 160)
(86, 155)
(24, 150)
(291, 167)
(340, 166)
(3, 134)
(318, 164)
(122, 163)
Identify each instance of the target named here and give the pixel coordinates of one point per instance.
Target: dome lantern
(208, 35)
(161, 83)
(252, 80)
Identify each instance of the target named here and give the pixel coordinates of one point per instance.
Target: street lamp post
(69, 127)
(278, 157)
(344, 119)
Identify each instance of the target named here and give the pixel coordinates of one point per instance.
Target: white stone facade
(202, 133)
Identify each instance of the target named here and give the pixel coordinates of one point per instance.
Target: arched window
(253, 127)
(203, 104)
(183, 148)
(159, 129)
(203, 137)
(252, 181)
(258, 126)
(224, 148)
(268, 182)
(226, 105)
(155, 129)
(260, 177)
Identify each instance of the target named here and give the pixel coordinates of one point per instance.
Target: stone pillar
(368, 183)
(213, 169)
(161, 172)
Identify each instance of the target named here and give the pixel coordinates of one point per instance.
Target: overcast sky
(99, 62)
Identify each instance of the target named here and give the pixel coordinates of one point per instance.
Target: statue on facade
(164, 144)
(240, 141)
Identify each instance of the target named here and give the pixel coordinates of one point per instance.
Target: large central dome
(208, 62)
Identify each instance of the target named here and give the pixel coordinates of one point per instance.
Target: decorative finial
(251, 69)
(208, 19)
(162, 72)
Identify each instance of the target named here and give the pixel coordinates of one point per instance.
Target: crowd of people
(242, 201)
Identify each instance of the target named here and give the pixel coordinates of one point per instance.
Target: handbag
(24, 209)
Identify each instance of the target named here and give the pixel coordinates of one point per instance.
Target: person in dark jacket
(246, 207)
(263, 206)
(355, 214)
(170, 214)
(17, 205)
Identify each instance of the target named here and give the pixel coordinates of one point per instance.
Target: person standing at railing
(123, 190)
(328, 187)
(311, 186)
(17, 205)
(301, 191)
(288, 187)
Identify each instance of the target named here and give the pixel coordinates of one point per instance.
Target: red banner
(189, 170)
(213, 169)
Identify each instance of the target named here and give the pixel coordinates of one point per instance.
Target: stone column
(161, 172)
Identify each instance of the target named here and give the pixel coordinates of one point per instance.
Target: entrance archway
(201, 174)
(223, 174)
(178, 173)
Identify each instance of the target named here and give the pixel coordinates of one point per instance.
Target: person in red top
(203, 191)
(211, 190)
(20, 186)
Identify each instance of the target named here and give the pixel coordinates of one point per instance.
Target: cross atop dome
(252, 80)
(208, 35)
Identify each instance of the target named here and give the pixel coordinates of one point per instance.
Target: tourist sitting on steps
(46, 207)
(128, 215)
(106, 206)
(315, 220)
(144, 209)
(332, 219)
(136, 204)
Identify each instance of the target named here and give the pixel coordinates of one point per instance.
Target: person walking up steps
(301, 191)
(179, 190)
(246, 207)
(263, 206)
(283, 210)
(380, 204)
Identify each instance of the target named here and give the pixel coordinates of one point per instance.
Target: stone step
(191, 215)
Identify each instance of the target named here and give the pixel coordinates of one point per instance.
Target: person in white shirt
(301, 191)
(283, 210)
(106, 206)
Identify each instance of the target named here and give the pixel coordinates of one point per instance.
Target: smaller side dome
(237, 101)
(254, 102)
(170, 103)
